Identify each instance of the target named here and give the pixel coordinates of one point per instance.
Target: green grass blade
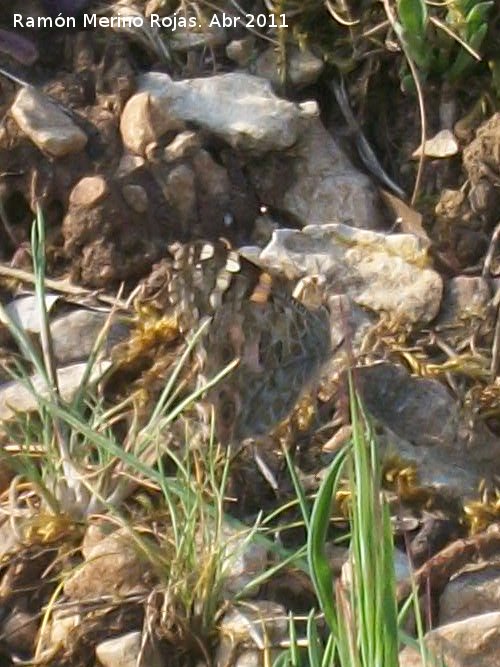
(320, 520)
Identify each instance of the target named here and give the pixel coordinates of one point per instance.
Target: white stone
(46, 124)
(237, 107)
(383, 272)
(16, 397)
(441, 145)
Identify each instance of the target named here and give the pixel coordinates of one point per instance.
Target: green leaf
(283, 660)
(413, 17)
(494, 66)
(464, 59)
(412, 31)
(314, 644)
(294, 653)
(477, 16)
(321, 573)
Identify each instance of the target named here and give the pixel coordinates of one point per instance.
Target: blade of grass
(320, 520)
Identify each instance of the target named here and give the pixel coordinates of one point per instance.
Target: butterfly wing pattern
(280, 343)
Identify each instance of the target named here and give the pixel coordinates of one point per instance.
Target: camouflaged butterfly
(280, 343)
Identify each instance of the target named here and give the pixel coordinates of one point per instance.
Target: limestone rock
(46, 124)
(237, 107)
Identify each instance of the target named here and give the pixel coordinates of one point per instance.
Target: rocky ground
(129, 142)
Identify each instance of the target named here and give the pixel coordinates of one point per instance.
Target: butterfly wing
(279, 342)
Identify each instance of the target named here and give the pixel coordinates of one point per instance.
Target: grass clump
(359, 624)
(75, 462)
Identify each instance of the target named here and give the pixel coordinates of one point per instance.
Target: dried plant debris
(439, 569)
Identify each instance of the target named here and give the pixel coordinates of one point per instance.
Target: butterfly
(279, 342)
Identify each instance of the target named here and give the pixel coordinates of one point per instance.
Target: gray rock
(449, 467)
(24, 311)
(422, 423)
(382, 272)
(241, 50)
(16, 397)
(136, 197)
(469, 594)
(128, 165)
(20, 630)
(179, 190)
(239, 108)
(244, 561)
(260, 625)
(401, 563)
(46, 124)
(316, 183)
(74, 334)
(464, 296)
(474, 641)
(125, 650)
(417, 409)
(185, 40)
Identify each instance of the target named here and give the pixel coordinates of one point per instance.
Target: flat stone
(316, 183)
(24, 311)
(441, 145)
(89, 191)
(136, 197)
(473, 642)
(464, 296)
(470, 593)
(16, 397)
(124, 651)
(388, 273)
(46, 124)
(237, 107)
(74, 334)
